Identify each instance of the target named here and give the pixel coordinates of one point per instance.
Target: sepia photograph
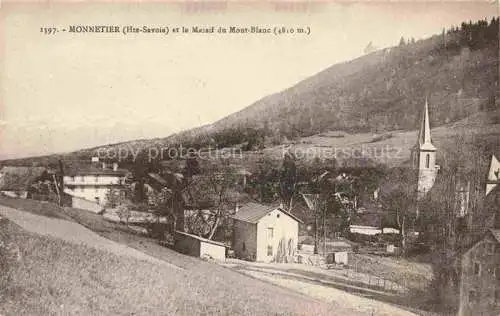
(284, 157)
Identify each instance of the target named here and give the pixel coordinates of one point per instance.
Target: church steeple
(424, 135)
(424, 156)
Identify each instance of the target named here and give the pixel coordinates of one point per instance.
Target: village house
(372, 221)
(19, 181)
(89, 186)
(480, 264)
(264, 233)
(480, 281)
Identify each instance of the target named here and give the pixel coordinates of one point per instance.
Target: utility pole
(316, 233)
(60, 184)
(324, 230)
(312, 201)
(57, 189)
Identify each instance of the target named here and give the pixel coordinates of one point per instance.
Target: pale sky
(71, 91)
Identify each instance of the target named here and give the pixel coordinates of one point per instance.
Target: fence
(397, 285)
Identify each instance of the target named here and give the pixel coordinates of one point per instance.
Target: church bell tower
(424, 156)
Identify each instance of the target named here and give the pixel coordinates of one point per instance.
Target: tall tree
(402, 41)
(212, 198)
(288, 180)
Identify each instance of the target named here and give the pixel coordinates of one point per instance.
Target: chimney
(103, 165)
(237, 208)
(115, 166)
(282, 206)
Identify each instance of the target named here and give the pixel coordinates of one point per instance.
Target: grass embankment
(56, 277)
(114, 231)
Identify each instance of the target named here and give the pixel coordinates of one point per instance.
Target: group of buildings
(270, 233)
(476, 261)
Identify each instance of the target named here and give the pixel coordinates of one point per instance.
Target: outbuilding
(199, 247)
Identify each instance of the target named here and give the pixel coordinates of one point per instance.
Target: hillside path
(74, 233)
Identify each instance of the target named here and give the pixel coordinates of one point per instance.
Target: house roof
(496, 234)
(494, 170)
(244, 172)
(201, 238)
(19, 178)
(373, 219)
(158, 179)
(252, 212)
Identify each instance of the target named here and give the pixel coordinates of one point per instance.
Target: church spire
(424, 135)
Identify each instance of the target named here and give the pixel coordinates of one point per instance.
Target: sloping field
(391, 148)
(72, 232)
(57, 277)
(67, 269)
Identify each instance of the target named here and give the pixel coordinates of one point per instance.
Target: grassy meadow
(48, 276)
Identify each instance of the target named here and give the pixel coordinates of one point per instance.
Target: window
(477, 268)
(270, 233)
(244, 247)
(278, 215)
(72, 178)
(490, 248)
(497, 273)
(269, 250)
(96, 178)
(427, 160)
(82, 178)
(497, 296)
(473, 297)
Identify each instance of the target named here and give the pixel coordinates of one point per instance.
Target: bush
(123, 212)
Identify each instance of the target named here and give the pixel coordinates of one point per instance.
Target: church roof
(424, 134)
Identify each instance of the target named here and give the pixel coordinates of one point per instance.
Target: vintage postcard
(249, 158)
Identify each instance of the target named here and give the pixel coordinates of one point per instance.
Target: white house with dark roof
(92, 183)
(264, 233)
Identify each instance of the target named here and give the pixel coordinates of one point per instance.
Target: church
(457, 207)
(423, 156)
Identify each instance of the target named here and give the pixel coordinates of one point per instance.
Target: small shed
(198, 246)
(341, 257)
